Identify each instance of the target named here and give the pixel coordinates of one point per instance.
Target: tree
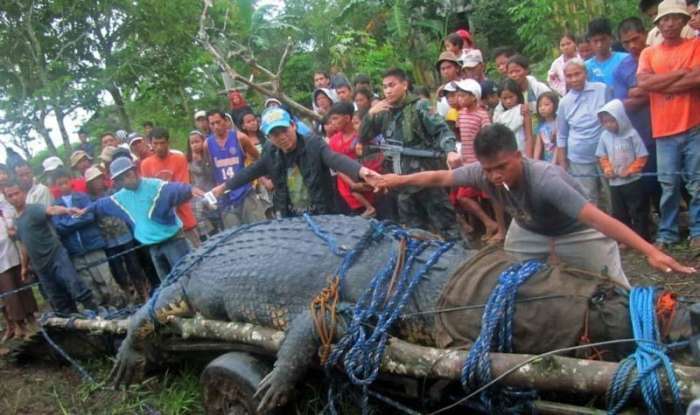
(41, 71)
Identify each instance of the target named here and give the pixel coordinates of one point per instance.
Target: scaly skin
(267, 275)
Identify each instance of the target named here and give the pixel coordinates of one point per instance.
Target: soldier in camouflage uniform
(406, 119)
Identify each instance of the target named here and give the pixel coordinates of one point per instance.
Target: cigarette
(506, 186)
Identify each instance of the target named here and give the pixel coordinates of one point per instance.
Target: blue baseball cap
(273, 118)
(120, 166)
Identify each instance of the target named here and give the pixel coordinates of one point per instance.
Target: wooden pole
(551, 373)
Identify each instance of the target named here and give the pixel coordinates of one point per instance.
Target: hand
(267, 184)
(624, 174)
(387, 181)
(24, 274)
(609, 174)
(360, 187)
(73, 211)
(197, 192)
(380, 106)
(667, 264)
(454, 159)
(525, 110)
(219, 190)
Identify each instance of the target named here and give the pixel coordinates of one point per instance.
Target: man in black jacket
(299, 167)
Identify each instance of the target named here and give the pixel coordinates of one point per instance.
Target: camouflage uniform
(413, 123)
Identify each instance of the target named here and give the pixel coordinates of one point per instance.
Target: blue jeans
(675, 153)
(62, 286)
(166, 254)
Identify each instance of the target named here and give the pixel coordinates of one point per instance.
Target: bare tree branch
(272, 87)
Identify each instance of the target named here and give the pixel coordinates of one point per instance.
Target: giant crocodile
(267, 274)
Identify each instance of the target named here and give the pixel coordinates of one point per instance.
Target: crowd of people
(529, 164)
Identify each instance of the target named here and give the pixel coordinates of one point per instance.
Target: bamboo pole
(551, 373)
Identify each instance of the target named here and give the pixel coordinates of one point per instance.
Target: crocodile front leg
(131, 359)
(293, 359)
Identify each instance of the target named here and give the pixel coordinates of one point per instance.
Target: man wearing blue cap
(299, 167)
(148, 207)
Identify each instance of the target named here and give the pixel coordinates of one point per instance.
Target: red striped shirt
(469, 124)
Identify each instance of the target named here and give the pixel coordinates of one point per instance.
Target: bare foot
(9, 334)
(496, 239)
(490, 232)
(370, 212)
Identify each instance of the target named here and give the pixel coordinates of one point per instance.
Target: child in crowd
(449, 91)
(208, 219)
(83, 240)
(622, 156)
(555, 76)
(263, 186)
(584, 48)
(694, 22)
(489, 96)
(454, 43)
(363, 99)
(512, 113)
(473, 118)
(546, 140)
(357, 196)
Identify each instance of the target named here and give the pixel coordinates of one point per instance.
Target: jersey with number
(227, 162)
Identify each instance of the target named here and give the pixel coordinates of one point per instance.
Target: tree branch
(244, 54)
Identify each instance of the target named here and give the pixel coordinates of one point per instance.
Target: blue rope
(496, 329)
(362, 347)
(324, 235)
(649, 356)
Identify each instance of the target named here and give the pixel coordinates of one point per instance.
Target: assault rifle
(395, 149)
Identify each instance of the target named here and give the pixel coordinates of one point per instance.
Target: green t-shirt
(298, 192)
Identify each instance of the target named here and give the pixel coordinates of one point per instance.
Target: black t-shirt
(38, 236)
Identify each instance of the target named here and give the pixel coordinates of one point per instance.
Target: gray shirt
(38, 236)
(546, 201)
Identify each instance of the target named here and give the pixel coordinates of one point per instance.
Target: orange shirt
(173, 168)
(672, 114)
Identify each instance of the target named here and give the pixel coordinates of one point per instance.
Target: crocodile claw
(273, 392)
(127, 368)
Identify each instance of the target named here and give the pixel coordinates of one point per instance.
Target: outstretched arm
(55, 210)
(609, 226)
(436, 178)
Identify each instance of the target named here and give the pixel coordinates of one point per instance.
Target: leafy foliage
(127, 62)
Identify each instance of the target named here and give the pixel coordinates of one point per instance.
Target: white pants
(587, 249)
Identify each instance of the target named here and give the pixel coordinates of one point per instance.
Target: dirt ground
(51, 388)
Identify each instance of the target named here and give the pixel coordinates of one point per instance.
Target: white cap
(92, 173)
(134, 138)
(472, 58)
(199, 114)
(51, 163)
(667, 7)
(469, 85)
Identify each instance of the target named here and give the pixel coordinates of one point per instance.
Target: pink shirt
(469, 123)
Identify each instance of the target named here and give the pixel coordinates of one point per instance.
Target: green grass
(59, 391)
